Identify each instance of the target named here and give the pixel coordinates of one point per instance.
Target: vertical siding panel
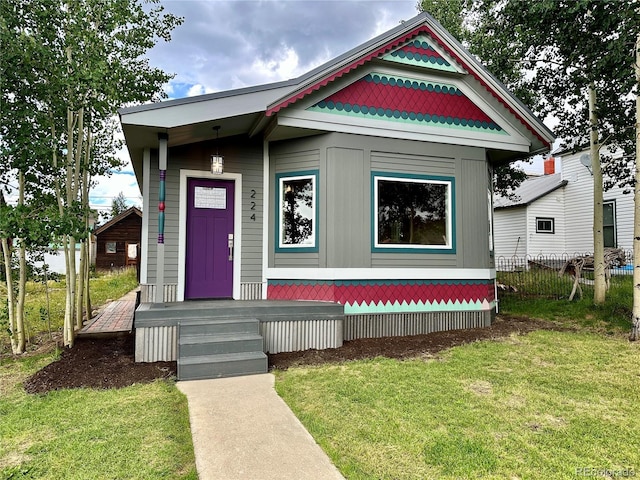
(347, 235)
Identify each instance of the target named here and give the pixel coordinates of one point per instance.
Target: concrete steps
(215, 348)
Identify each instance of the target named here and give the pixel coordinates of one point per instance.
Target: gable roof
(530, 190)
(254, 110)
(422, 24)
(117, 219)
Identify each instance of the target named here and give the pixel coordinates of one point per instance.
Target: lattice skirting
(404, 324)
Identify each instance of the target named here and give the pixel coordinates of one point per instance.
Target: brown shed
(118, 241)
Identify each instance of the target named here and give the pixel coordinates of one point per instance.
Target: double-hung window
(609, 224)
(413, 213)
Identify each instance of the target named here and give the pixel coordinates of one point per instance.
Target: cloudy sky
(227, 44)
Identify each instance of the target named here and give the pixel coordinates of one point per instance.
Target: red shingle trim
(386, 48)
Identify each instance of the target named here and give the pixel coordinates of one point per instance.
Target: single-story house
(364, 185)
(118, 241)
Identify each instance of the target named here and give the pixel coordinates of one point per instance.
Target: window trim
(450, 248)
(553, 225)
(289, 248)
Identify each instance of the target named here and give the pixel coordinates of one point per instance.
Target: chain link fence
(539, 275)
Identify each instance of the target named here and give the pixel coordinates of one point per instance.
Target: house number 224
(253, 206)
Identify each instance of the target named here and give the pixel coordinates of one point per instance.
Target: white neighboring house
(532, 223)
(553, 213)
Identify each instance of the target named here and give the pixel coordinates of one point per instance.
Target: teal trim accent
(161, 223)
(417, 249)
(416, 307)
(293, 248)
(161, 191)
(358, 111)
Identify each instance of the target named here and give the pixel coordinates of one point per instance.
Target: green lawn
(138, 432)
(612, 317)
(536, 406)
(542, 405)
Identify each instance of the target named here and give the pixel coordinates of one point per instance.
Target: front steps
(215, 348)
(230, 337)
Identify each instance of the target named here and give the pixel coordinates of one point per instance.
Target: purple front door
(209, 259)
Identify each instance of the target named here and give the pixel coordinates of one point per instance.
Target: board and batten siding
(241, 156)
(345, 164)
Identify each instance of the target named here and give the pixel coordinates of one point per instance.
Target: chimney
(549, 166)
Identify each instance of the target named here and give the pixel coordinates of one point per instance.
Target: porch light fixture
(217, 161)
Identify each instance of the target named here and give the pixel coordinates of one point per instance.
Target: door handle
(230, 243)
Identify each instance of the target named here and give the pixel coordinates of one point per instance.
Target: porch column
(144, 241)
(162, 167)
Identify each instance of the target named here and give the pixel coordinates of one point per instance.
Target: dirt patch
(98, 363)
(109, 362)
(410, 347)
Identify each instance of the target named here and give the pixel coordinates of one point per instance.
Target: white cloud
(195, 90)
(285, 66)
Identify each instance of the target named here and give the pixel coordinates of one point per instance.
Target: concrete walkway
(243, 430)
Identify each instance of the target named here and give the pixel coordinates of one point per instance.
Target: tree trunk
(635, 330)
(14, 325)
(600, 288)
(80, 288)
(69, 309)
(22, 284)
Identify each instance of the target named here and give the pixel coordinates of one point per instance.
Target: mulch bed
(109, 362)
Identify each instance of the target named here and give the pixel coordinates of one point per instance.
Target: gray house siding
(473, 213)
(291, 157)
(345, 164)
(241, 156)
(348, 200)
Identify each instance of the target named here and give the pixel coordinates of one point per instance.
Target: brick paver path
(116, 317)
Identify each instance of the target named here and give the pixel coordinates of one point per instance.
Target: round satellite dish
(585, 159)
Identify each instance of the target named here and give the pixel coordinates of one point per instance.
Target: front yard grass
(138, 432)
(543, 405)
